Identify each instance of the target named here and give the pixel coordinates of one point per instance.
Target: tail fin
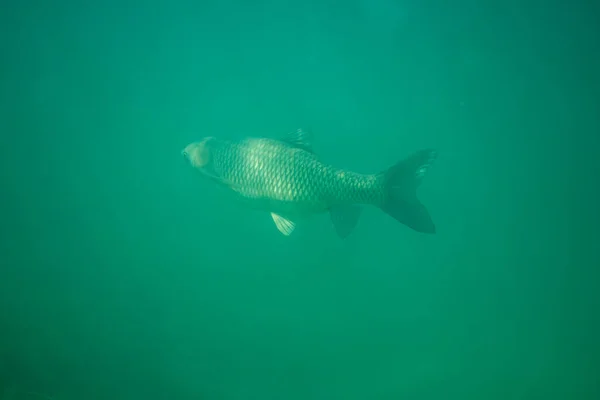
(400, 185)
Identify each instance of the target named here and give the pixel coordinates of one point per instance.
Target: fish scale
(268, 169)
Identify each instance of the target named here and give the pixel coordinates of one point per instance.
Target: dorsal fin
(300, 138)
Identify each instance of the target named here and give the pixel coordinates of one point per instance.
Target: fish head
(198, 153)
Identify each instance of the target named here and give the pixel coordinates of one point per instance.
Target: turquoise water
(125, 275)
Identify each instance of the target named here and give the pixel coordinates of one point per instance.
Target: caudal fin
(400, 184)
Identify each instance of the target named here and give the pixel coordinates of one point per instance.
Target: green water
(125, 275)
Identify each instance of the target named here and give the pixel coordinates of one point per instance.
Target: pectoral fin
(220, 180)
(285, 226)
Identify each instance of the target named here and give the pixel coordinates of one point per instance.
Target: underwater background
(126, 275)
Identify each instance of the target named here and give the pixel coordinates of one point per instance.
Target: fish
(284, 177)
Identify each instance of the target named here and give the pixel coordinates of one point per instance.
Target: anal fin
(345, 218)
(285, 226)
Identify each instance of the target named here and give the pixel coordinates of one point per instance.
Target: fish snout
(187, 153)
(197, 154)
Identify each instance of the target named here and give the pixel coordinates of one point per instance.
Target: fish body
(285, 177)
